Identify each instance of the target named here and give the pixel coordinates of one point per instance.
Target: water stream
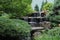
(35, 19)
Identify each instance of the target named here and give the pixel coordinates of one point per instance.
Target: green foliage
(36, 8)
(56, 3)
(14, 28)
(47, 6)
(54, 19)
(54, 16)
(54, 24)
(47, 37)
(17, 8)
(4, 15)
(53, 34)
(42, 5)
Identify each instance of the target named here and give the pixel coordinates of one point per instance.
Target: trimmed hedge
(14, 29)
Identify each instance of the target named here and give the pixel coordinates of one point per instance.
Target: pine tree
(36, 8)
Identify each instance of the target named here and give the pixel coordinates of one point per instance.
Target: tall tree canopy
(17, 8)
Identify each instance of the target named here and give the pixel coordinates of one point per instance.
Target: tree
(36, 8)
(16, 8)
(43, 3)
(54, 16)
(46, 6)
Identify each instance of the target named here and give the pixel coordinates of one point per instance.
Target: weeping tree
(16, 8)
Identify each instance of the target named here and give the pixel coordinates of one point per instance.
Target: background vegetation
(16, 8)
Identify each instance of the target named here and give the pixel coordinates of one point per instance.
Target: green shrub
(54, 24)
(14, 29)
(55, 14)
(53, 34)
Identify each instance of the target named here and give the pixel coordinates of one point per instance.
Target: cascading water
(35, 19)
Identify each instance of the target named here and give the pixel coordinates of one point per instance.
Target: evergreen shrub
(14, 29)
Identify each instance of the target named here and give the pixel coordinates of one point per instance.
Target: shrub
(54, 24)
(53, 34)
(14, 29)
